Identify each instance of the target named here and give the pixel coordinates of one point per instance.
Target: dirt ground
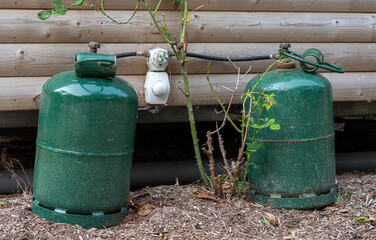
(178, 212)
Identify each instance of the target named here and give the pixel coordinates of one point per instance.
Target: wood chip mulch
(175, 212)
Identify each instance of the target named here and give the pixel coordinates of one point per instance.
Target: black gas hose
(126, 54)
(207, 57)
(233, 59)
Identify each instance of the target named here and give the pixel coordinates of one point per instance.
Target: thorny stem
(223, 152)
(241, 150)
(181, 57)
(209, 154)
(193, 126)
(220, 187)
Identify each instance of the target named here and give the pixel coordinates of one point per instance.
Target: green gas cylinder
(85, 142)
(295, 168)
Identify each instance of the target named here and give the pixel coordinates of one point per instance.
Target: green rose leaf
(43, 15)
(59, 11)
(78, 3)
(275, 126)
(57, 3)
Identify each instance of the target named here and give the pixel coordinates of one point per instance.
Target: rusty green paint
(84, 151)
(298, 160)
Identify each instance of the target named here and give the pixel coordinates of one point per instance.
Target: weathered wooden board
(84, 26)
(18, 119)
(23, 119)
(23, 93)
(346, 109)
(27, 60)
(220, 5)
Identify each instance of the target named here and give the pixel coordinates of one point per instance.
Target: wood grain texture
(23, 93)
(22, 26)
(22, 119)
(220, 5)
(27, 60)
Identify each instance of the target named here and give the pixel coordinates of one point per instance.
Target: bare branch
(209, 154)
(223, 153)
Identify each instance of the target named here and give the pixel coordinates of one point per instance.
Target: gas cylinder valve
(94, 46)
(157, 84)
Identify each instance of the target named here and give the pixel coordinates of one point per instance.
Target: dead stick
(220, 187)
(223, 152)
(209, 153)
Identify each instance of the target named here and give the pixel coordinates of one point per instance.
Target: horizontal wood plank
(27, 60)
(220, 5)
(23, 93)
(23, 119)
(22, 26)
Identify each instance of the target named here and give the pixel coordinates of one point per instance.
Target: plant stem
(181, 57)
(221, 104)
(156, 23)
(193, 126)
(250, 154)
(209, 154)
(243, 141)
(109, 17)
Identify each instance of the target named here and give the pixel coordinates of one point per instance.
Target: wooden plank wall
(32, 50)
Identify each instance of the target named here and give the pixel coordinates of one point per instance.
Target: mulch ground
(186, 212)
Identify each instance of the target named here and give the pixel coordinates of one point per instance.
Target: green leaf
(59, 11)
(293, 233)
(270, 121)
(265, 221)
(269, 101)
(339, 198)
(349, 193)
(223, 177)
(275, 126)
(1, 202)
(255, 145)
(78, 3)
(57, 3)
(43, 15)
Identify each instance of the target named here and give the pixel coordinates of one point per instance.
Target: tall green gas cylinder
(295, 168)
(85, 143)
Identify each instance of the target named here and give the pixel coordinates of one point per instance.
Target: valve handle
(303, 62)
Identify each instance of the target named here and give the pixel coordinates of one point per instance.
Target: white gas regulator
(157, 84)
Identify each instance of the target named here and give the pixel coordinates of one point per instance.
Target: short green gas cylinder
(295, 168)
(85, 143)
